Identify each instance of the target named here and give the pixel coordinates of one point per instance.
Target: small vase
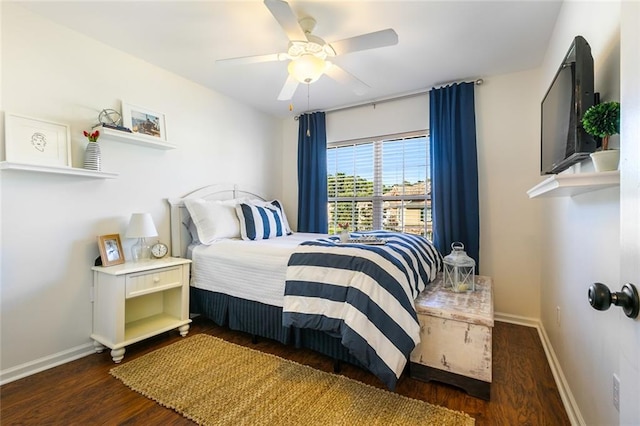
(605, 161)
(92, 157)
(344, 236)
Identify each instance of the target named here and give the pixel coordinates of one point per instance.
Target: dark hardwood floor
(82, 392)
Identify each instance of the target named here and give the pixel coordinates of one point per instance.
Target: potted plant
(603, 120)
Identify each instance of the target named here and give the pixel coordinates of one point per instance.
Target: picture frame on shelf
(143, 121)
(36, 141)
(110, 247)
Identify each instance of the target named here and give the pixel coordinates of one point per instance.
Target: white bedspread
(253, 270)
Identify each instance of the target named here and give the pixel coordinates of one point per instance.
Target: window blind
(380, 184)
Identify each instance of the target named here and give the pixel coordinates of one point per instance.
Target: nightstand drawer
(151, 281)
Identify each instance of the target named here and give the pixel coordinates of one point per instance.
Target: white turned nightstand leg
(98, 347)
(117, 355)
(184, 329)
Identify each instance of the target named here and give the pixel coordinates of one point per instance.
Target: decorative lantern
(459, 270)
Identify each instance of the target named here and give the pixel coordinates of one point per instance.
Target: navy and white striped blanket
(364, 294)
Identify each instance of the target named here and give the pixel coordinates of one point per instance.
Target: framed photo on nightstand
(110, 249)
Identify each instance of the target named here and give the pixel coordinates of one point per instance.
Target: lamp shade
(307, 68)
(141, 226)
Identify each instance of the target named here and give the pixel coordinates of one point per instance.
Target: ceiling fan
(308, 54)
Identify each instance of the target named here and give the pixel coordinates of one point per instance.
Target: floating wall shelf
(72, 171)
(571, 184)
(134, 138)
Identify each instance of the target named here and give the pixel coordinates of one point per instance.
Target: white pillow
(279, 206)
(214, 219)
(260, 223)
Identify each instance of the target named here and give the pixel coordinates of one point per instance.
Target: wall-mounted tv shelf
(72, 171)
(134, 138)
(563, 185)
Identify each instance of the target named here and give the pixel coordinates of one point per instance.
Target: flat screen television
(563, 140)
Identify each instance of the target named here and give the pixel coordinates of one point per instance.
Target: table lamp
(141, 226)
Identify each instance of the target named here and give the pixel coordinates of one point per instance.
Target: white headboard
(180, 235)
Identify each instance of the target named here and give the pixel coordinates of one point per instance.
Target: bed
(269, 287)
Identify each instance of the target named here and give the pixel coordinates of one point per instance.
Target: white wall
(508, 162)
(580, 234)
(50, 222)
(507, 116)
(379, 119)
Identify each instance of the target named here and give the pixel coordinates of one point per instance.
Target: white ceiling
(439, 42)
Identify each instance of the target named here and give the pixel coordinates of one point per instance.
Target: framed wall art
(36, 141)
(110, 249)
(143, 121)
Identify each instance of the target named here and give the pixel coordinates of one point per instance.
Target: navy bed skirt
(265, 321)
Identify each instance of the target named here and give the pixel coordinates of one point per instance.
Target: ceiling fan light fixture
(307, 68)
(308, 53)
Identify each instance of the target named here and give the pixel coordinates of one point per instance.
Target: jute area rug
(214, 382)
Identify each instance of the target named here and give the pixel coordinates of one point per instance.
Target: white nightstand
(137, 300)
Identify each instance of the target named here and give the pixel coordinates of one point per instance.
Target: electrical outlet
(558, 316)
(616, 392)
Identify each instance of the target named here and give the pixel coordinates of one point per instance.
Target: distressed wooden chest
(455, 334)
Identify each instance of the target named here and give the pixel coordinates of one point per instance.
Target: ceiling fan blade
(373, 40)
(286, 18)
(341, 76)
(252, 59)
(288, 89)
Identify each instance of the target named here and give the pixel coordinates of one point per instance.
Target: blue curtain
(312, 173)
(454, 169)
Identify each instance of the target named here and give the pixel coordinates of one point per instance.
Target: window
(380, 184)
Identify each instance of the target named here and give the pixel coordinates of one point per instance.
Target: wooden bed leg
(254, 339)
(336, 366)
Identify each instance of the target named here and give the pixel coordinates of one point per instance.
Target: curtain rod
(477, 82)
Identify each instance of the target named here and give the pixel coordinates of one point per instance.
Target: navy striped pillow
(259, 223)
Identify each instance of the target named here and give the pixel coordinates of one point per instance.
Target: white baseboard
(45, 363)
(515, 319)
(569, 402)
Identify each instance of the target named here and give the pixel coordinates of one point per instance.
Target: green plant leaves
(602, 120)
